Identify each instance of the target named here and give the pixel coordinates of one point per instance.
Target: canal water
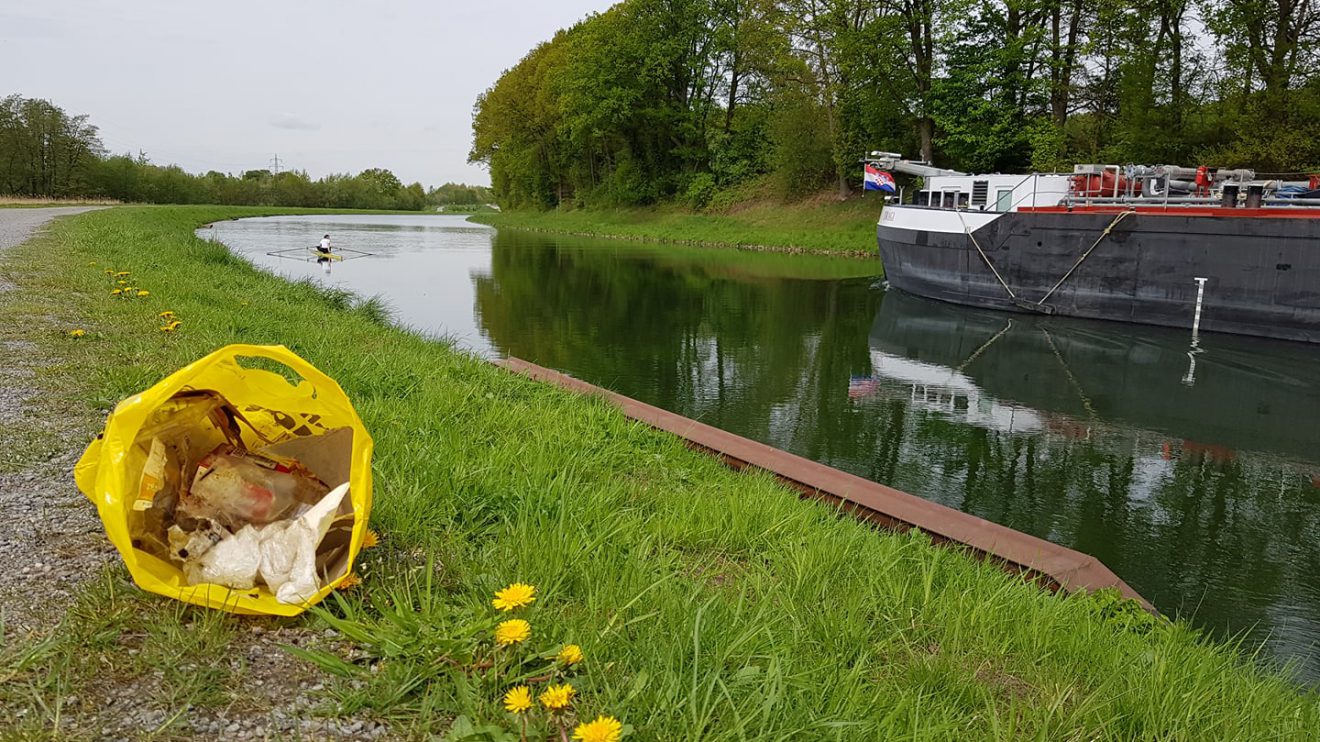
(1193, 474)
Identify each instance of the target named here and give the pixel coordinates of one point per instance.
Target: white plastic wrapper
(233, 562)
(288, 550)
(282, 554)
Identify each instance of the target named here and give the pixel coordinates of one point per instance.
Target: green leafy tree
(43, 150)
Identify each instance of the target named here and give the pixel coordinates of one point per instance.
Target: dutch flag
(878, 180)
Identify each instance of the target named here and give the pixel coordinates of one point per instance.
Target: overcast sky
(330, 85)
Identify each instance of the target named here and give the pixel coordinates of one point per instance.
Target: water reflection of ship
(945, 390)
(1028, 373)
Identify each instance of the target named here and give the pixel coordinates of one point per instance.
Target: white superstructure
(996, 192)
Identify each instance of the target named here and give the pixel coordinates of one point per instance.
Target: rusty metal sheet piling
(1053, 566)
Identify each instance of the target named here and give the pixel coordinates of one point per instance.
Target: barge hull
(1262, 274)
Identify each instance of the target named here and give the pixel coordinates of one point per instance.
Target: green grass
(820, 225)
(735, 264)
(465, 209)
(115, 633)
(710, 604)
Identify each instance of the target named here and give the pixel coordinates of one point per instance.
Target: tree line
(656, 100)
(48, 153)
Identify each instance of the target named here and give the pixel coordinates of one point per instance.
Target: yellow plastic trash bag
(311, 420)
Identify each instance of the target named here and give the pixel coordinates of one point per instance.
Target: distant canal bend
(1194, 476)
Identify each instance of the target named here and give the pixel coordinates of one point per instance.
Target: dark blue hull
(1263, 274)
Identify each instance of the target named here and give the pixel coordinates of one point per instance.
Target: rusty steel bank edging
(1055, 567)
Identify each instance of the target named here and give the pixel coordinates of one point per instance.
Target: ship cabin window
(1004, 199)
(953, 199)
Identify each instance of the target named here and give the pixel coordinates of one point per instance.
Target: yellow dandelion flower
(603, 729)
(92, 263)
(512, 632)
(557, 697)
(122, 283)
(370, 539)
(142, 294)
(518, 700)
(109, 271)
(167, 314)
(349, 582)
(77, 333)
(571, 654)
(116, 292)
(516, 595)
(121, 274)
(171, 327)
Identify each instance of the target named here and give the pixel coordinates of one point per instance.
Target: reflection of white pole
(1196, 320)
(1190, 378)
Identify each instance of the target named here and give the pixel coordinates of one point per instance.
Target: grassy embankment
(819, 225)
(709, 604)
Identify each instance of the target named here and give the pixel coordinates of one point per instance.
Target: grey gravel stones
(50, 537)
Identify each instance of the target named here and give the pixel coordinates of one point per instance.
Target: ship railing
(1035, 181)
(1185, 201)
(1034, 196)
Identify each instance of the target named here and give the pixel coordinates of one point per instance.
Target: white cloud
(332, 86)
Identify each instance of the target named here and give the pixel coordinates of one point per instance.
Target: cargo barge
(1202, 249)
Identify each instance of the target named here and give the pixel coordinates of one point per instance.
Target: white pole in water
(1196, 320)
(1190, 378)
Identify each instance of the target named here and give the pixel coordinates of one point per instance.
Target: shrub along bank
(707, 604)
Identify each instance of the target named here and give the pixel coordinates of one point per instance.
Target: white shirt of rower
(325, 244)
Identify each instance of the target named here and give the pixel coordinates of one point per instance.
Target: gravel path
(50, 537)
(17, 225)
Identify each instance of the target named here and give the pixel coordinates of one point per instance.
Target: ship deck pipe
(1157, 187)
(1198, 201)
(1189, 173)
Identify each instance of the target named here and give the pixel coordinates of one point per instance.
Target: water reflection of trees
(689, 335)
(1230, 537)
(1230, 541)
